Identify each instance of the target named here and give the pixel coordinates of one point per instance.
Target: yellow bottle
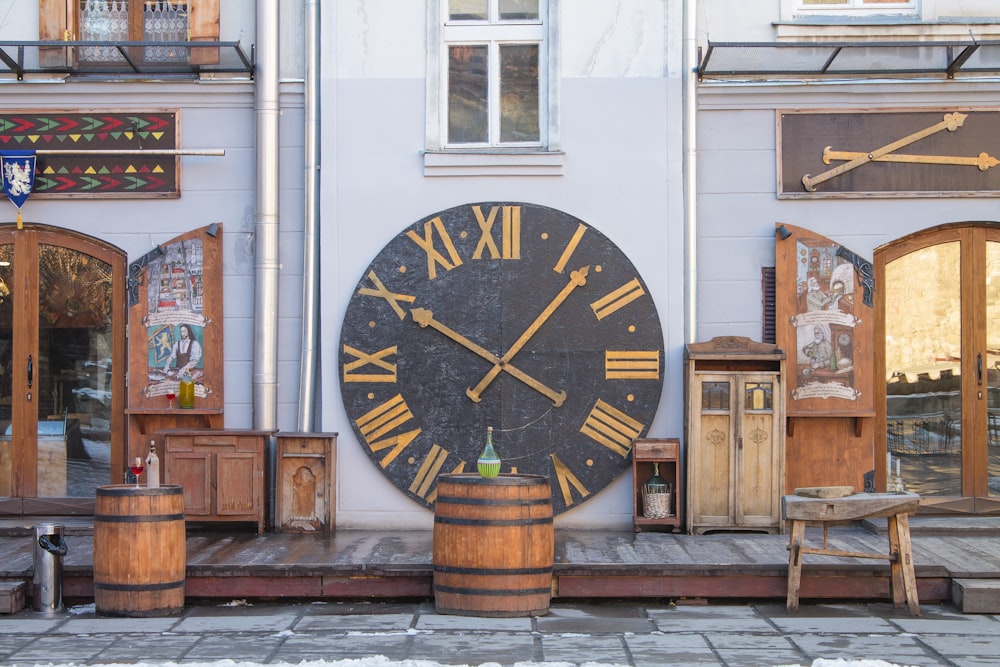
(185, 392)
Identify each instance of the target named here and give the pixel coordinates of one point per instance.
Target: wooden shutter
(767, 304)
(203, 26)
(57, 21)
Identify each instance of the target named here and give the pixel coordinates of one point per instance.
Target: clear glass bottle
(152, 467)
(488, 463)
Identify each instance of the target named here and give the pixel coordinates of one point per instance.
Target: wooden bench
(896, 507)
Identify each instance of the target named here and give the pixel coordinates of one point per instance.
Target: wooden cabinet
(306, 498)
(221, 472)
(735, 435)
(660, 455)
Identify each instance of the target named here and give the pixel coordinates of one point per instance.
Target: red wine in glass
(137, 470)
(170, 399)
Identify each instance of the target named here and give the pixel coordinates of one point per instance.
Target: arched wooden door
(938, 303)
(62, 369)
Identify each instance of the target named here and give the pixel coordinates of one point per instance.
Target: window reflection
(923, 354)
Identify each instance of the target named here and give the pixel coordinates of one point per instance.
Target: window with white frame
(860, 7)
(493, 74)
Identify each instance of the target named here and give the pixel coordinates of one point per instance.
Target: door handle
(30, 372)
(979, 369)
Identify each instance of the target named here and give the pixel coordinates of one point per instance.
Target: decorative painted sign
(824, 315)
(74, 172)
(889, 153)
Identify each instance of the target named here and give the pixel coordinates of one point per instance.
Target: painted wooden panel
(75, 173)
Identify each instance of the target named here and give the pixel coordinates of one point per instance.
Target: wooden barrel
(493, 545)
(140, 553)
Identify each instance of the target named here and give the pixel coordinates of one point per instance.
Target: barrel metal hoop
(446, 569)
(498, 502)
(163, 586)
(480, 591)
(120, 490)
(137, 518)
(492, 522)
(501, 480)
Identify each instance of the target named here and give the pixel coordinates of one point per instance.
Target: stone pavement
(620, 633)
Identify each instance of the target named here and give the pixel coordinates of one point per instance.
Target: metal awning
(135, 59)
(800, 60)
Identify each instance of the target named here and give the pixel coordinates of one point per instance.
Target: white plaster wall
(737, 182)
(621, 174)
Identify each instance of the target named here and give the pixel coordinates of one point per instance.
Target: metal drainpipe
(265, 346)
(310, 235)
(690, 96)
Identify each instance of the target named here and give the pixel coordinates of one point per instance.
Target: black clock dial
(509, 315)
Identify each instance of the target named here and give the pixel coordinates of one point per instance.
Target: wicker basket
(655, 504)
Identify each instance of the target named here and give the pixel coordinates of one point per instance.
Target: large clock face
(505, 315)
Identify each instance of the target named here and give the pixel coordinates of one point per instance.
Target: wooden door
(940, 427)
(62, 354)
(758, 451)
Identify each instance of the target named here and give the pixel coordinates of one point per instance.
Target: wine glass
(170, 399)
(137, 469)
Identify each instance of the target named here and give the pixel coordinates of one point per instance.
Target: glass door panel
(993, 365)
(923, 333)
(73, 372)
(6, 359)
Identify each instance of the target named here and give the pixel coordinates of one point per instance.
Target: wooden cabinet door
(193, 472)
(758, 451)
(238, 493)
(711, 450)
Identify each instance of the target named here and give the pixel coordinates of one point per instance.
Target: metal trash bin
(46, 584)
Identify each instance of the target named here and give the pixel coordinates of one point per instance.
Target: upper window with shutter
(167, 27)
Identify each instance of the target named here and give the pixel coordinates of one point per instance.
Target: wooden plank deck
(588, 564)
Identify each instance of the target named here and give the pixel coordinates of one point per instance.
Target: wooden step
(976, 596)
(12, 594)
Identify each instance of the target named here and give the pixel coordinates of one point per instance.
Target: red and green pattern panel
(97, 175)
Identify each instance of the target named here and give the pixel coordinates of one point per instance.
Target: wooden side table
(896, 507)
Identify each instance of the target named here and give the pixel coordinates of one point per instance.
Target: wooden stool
(896, 507)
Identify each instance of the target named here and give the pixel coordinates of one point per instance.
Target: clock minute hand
(425, 318)
(577, 278)
(951, 122)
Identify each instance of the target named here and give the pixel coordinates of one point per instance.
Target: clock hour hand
(950, 122)
(425, 318)
(577, 278)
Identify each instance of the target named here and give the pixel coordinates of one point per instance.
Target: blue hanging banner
(18, 170)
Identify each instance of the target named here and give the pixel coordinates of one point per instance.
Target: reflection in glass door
(73, 372)
(923, 351)
(6, 368)
(993, 364)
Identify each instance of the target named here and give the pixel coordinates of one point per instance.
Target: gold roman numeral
(581, 229)
(433, 256)
(618, 299)
(379, 421)
(510, 233)
(362, 359)
(425, 482)
(566, 479)
(611, 427)
(631, 364)
(391, 298)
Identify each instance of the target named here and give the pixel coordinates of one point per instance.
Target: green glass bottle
(488, 463)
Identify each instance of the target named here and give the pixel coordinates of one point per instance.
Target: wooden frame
(974, 421)
(23, 459)
(155, 323)
(105, 176)
(926, 164)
